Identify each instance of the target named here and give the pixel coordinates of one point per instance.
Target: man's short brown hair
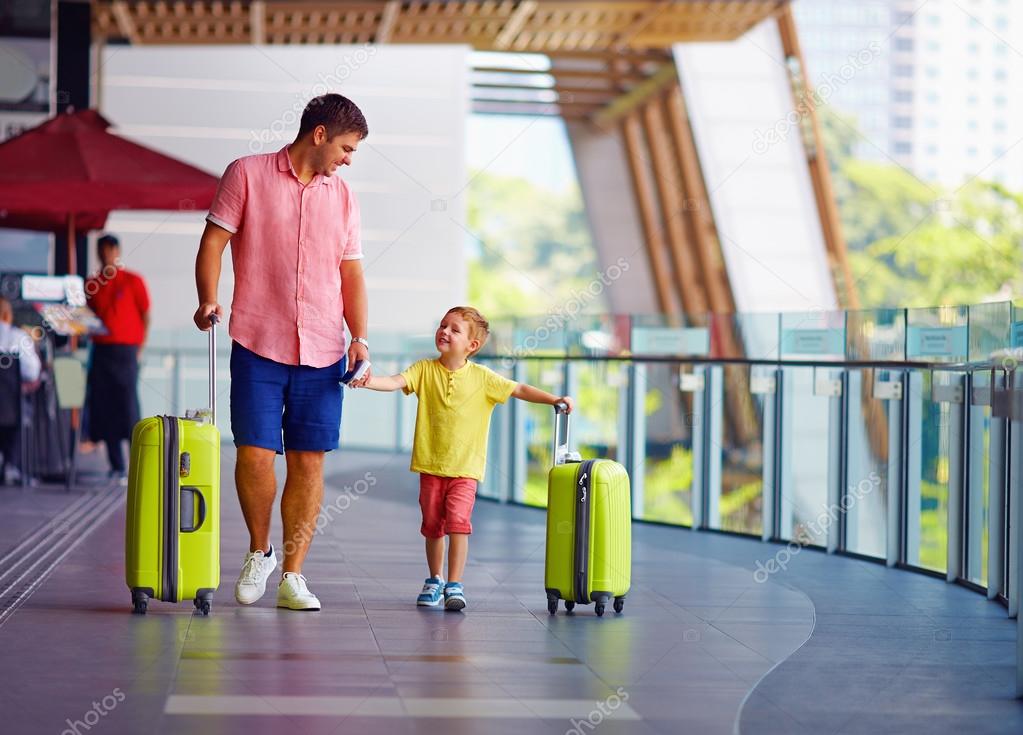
(338, 114)
(479, 327)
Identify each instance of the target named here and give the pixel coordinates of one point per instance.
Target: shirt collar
(284, 164)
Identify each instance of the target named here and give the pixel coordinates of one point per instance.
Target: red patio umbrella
(72, 167)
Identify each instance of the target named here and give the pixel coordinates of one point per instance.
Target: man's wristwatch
(361, 341)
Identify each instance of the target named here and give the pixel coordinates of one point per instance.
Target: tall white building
(938, 96)
(969, 112)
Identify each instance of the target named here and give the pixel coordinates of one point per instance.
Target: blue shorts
(270, 399)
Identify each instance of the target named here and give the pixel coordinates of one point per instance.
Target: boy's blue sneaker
(432, 592)
(454, 596)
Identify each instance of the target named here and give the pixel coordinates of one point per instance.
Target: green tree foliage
(530, 248)
(913, 243)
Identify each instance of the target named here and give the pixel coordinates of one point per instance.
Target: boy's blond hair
(479, 327)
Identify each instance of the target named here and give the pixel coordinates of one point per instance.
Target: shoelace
(430, 587)
(299, 582)
(251, 569)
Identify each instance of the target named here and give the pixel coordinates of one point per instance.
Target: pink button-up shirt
(287, 244)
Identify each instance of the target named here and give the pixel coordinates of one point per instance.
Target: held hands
(202, 314)
(358, 351)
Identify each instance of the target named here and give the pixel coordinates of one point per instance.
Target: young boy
(456, 399)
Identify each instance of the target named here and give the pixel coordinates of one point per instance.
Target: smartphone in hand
(357, 371)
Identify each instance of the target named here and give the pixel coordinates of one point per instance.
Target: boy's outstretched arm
(527, 392)
(388, 383)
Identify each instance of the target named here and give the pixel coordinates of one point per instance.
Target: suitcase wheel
(139, 601)
(202, 606)
(552, 605)
(569, 605)
(619, 604)
(599, 608)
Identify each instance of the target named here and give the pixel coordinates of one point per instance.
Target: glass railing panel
(930, 466)
(538, 430)
(379, 421)
(812, 403)
(739, 505)
(978, 479)
(156, 382)
(497, 478)
(667, 464)
(600, 392)
(601, 335)
(659, 335)
(539, 335)
(938, 334)
(990, 330)
(813, 335)
(873, 417)
(874, 335)
(751, 336)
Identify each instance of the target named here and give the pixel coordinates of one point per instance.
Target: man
(121, 300)
(14, 341)
(296, 250)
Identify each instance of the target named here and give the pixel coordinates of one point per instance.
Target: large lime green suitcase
(589, 529)
(172, 536)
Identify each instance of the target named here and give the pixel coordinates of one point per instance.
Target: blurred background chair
(69, 379)
(13, 437)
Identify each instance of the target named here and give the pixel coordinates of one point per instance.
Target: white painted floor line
(477, 708)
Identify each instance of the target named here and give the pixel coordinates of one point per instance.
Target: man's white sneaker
(293, 594)
(251, 583)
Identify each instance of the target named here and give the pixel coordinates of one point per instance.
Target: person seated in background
(14, 341)
(120, 298)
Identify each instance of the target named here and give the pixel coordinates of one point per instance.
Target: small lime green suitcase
(172, 536)
(589, 529)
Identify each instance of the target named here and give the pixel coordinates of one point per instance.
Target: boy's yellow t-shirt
(453, 417)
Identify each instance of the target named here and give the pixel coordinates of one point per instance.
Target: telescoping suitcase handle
(561, 427)
(214, 320)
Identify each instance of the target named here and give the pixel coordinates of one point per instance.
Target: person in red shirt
(121, 300)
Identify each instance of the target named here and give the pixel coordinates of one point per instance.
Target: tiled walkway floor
(697, 635)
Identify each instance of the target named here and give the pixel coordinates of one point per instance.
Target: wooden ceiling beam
(645, 19)
(697, 210)
(641, 31)
(125, 22)
(514, 26)
(635, 97)
(653, 238)
(671, 203)
(387, 19)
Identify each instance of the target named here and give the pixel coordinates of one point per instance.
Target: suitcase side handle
(188, 498)
(214, 320)
(561, 427)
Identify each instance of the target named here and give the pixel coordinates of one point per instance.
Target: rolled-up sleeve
(228, 208)
(353, 231)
